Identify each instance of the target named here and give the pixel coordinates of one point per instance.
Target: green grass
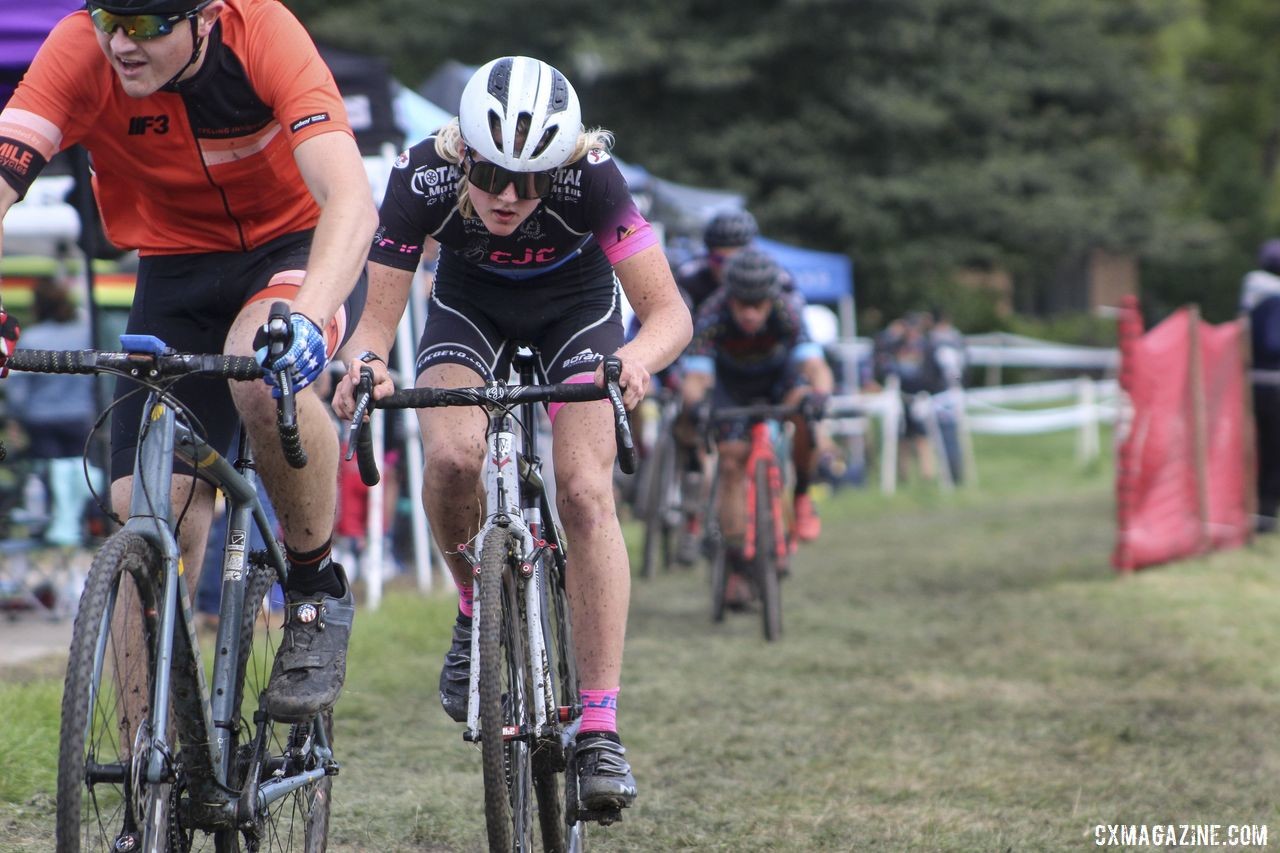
(959, 672)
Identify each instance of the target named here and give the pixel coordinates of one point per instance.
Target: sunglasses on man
(139, 27)
(493, 179)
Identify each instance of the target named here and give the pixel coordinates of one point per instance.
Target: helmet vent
(559, 93)
(495, 129)
(547, 137)
(500, 81)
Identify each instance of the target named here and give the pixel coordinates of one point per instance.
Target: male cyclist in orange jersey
(222, 152)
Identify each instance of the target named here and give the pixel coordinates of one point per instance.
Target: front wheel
(105, 738)
(765, 565)
(505, 713)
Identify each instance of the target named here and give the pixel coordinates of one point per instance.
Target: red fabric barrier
(1181, 479)
(1226, 412)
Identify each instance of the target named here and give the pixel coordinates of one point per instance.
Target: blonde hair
(451, 146)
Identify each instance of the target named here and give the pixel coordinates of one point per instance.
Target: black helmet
(753, 275)
(730, 229)
(1269, 256)
(148, 7)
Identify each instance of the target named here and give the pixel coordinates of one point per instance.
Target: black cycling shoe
(455, 676)
(311, 663)
(605, 782)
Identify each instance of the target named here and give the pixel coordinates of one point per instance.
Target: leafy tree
(921, 137)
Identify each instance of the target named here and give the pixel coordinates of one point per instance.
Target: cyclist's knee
(451, 467)
(586, 500)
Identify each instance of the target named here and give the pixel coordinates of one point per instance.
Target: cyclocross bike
(662, 500)
(151, 756)
(523, 704)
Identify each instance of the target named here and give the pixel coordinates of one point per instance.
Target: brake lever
(359, 439)
(286, 411)
(627, 459)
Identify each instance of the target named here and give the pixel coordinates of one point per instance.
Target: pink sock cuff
(466, 600)
(599, 710)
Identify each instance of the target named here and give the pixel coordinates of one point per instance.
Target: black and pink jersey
(745, 361)
(589, 212)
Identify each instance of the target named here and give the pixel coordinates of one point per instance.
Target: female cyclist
(537, 230)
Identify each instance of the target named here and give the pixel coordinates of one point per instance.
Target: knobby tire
(98, 724)
(550, 761)
(508, 794)
(766, 561)
(657, 531)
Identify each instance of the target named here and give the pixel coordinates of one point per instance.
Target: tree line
(927, 139)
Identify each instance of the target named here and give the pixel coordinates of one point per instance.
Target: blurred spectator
(951, 358)
(57, 411)
(927, 356)
(1260, 300)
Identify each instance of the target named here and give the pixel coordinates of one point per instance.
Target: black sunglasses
(493, 179)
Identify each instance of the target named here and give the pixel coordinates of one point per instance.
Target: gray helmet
(752, 275)
(512, 91)
(730, 229)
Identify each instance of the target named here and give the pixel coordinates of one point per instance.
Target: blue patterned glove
(304, 359)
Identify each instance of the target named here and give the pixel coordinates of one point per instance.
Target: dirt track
(31, 636)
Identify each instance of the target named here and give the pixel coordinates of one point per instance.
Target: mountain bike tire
(504, 701)
(299, 821)
(100, 723)
(766, 560)
(718, 575)
(561, 832)
(657, 531)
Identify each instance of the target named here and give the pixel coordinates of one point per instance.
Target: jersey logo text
(138, 125)
(308, 121)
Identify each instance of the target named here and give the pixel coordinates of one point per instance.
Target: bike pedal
(604, 817)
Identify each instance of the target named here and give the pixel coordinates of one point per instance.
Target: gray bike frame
(204, 716)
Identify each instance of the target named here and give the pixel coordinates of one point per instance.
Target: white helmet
(505, 90)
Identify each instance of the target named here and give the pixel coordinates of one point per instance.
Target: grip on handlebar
(622, 424)
(286, 404)
(359, 439)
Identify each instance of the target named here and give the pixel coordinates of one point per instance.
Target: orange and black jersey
(203, 166)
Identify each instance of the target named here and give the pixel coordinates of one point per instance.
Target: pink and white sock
(599, 710)
(466, 599)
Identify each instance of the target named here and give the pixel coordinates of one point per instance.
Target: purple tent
(23, 27)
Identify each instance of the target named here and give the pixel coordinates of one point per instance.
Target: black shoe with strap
(455, 676)
(605, 783)
(311, 663)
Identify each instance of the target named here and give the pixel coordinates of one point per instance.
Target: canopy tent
(23, 27)
(823, 277)
(365, 82)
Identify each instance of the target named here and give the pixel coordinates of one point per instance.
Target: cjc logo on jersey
(138, 125)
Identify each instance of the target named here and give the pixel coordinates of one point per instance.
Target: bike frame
(763, 450)
(205, 717)
(509, 506)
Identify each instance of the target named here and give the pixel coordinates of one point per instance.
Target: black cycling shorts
(190, 302)
(729, 392)
(571, 318)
